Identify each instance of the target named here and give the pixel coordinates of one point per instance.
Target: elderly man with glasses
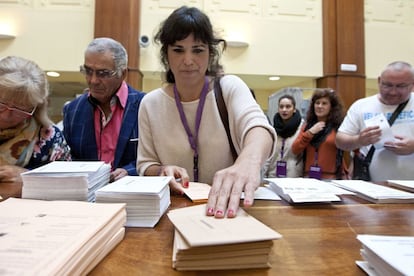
(102, 124)
(393, 158)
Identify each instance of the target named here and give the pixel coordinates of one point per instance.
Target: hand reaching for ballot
(117, 174)
(180, 177)
(11, 173)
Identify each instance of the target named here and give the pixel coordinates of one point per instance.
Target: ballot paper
(205, 243)
(387, 255)
(386, 132)
(39, 237)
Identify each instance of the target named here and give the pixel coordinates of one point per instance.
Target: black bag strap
(223, 114)
(394, 116)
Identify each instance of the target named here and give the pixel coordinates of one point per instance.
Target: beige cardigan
(163, 140)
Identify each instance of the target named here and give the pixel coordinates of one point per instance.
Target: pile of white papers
(206, 243)
(66, 180)
(375, 193)
(146, 197)
(305, 190)
(407, 185)
(387, 255)
(57, 237)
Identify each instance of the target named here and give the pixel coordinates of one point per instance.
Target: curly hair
(336, 114)
(180, 24)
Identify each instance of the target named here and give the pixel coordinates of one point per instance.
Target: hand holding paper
(386, 132)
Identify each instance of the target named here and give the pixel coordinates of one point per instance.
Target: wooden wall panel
(120, 20)
(343, 42)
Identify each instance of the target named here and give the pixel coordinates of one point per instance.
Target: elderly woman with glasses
(28, 138)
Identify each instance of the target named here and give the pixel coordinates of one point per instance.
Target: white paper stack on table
(407, 185)
(207, 243)
(375, 193)
(66, 180)
(305, 190)
(57, 237)
(146, 197)
(387, 255)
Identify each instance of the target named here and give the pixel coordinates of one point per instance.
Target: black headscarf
(286, 129)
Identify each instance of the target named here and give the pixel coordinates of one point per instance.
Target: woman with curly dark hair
(322, 159)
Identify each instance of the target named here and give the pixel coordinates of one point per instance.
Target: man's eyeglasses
(17, 112)
(402, 87)
(100, 73)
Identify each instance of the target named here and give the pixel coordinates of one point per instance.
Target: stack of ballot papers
(375, 193)
(66, 180)
(305, 190)
(146, 197)
(41, 237)
(407, 185)
(387, 255)
(206, 243)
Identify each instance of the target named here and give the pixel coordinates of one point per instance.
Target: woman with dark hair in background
(287, 123)
(322, 159)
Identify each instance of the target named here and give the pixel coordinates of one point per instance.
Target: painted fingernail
(230, 213)
(210, 211)
(185, 185)
(247, 202)
(219, 213)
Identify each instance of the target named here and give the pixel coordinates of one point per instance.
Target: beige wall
(52, 33)
(284, 36)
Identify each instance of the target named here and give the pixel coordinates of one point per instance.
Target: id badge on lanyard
(281, 166)
(315, 171)
(281, 169)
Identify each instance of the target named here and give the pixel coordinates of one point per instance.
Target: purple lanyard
(315, 161)
(282, 150)
(192, 138)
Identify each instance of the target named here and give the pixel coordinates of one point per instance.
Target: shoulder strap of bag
(223, 114)
(394, 116)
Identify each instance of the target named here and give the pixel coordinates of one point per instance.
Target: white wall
(284, 37)
(53, 33)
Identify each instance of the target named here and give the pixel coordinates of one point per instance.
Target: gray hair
(119, 54)
(399, 66)
(22, 81)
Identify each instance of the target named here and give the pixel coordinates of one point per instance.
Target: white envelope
(386, 132)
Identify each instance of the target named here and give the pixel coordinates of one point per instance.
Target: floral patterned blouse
(51, 146)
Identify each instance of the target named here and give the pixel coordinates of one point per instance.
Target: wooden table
(317, 239)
